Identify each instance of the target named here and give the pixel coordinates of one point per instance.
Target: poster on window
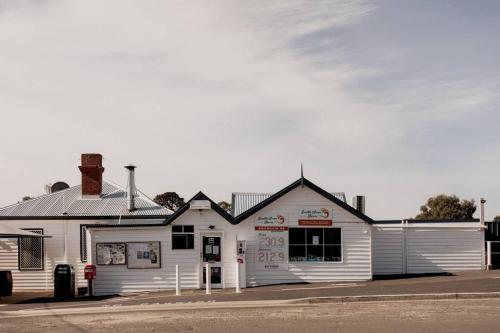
(317, 216)
(143, 255)
(111, 253)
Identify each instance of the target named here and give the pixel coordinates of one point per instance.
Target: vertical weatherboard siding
(388, 251)
(421, 249)
(444, 250)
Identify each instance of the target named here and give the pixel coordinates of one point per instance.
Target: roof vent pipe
(483, 201)
(359, 203)
(131, 191)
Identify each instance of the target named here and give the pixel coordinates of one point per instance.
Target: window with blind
(83, 243)
(31, 252)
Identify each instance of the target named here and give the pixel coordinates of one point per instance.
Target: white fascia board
(441, 225)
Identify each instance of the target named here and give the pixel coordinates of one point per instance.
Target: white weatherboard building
(302, 233)
(299, 234)
(62, 215)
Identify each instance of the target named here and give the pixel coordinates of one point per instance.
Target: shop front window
(314, 244)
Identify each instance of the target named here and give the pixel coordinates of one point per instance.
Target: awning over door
(7, 231)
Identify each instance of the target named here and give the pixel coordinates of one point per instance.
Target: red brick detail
(91, 170)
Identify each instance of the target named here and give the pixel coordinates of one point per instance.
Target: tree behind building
(171, 200)
(447, 207)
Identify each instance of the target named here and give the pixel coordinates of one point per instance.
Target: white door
(211, 253)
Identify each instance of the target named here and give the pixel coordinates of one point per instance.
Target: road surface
(410, 316)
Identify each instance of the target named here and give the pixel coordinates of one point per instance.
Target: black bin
(5, 283)
(64, 282)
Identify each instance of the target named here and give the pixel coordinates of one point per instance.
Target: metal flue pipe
(483, 201)
(131, 191)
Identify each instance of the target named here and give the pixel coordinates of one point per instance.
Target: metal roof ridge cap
(266, 193)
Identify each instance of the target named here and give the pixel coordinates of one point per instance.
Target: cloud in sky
(395, 103)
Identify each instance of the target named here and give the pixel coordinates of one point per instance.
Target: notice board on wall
(111, 253)
(143, 255)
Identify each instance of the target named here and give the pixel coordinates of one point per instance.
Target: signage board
(200, 204)
(319, 216)
(143, 255)
(111, 253)
(271, 220)
(272, 241)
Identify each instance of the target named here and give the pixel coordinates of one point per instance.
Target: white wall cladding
(436, 248)
(120, 279)
(356, 243)
(54, 248)
(388, 251)
(442, 250)
(356, 264)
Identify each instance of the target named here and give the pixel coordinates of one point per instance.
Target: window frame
(182, 233)
(323, 245)
(42, 249)
(83, 243)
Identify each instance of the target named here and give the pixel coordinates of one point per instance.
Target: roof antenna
(302, 175)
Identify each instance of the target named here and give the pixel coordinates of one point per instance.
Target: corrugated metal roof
(68, 202)
(242, 202)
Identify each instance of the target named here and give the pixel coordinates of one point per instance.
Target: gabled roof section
(312, 186)
(242, 202)
(69, 204)
(200, 196)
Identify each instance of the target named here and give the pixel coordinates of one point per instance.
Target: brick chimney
(91, 170)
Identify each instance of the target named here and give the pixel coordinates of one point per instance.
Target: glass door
(212, 254)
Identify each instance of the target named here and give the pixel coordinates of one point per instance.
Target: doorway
(211, 253)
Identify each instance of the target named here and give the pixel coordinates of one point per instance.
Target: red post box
(89, 272)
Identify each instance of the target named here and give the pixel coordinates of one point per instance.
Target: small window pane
(315, 253)
(333, 253)
(178, 242)
(189, 241)
(297, 235)
(177, 228)
(332, 236)
(188, 228)
(297, 253)
(314, 236)
(182, 241)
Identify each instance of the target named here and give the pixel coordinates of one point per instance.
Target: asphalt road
(410, 316)
(461, 283)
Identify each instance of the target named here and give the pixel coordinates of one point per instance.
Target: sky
(394, 100)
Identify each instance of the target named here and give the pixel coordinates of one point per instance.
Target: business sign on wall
(320, 216)
(274, 222)
(272, 241)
